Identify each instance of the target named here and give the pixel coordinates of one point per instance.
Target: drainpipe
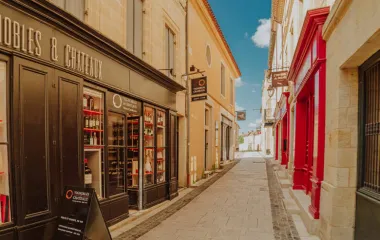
(187, 94)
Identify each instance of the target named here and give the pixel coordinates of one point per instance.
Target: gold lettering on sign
(53, 49)
(16, 35)
(30, 40)
(67, 56)
(37, 39)
(82, 62)
(23, 48)
(7, 31)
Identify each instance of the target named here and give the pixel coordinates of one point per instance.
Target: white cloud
(246, 35)
(239, 82)
(254, 90)
(252, 125)
(238, 108)
(261, 37)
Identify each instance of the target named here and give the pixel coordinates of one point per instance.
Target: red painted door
(308, 167)
(284, 142)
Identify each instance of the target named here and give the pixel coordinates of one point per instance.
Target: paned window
(116, 154)
(4, 148)
(135, 27)
(232, 88)
(149, 145)
(75, 7)
(170, 52)
(223, 79)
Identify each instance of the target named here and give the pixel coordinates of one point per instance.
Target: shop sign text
(28, 40)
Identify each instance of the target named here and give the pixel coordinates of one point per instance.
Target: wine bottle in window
(86, 122)
(95, 139)
(91, 140)
(97, 123)
(85, 102)
(90, 103)
(87, 174)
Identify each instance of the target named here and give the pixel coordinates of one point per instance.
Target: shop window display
(161, 146)
(116, 153)
(93, 122)
(133, 151)
(5, 208)
(149, 145)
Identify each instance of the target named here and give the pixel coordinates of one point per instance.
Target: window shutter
(76, 8)
(171, 50)
(138, 29)
(130, 25)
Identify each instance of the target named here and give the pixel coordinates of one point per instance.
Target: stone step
(281, 174)
(301, 229)
(285, 183)
(291, 206)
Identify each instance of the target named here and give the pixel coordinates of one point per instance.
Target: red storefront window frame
(311, 50)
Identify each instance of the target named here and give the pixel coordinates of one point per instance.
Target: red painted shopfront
(308, 72)
(282, 133)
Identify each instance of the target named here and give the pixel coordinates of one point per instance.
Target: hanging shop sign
(241, 115)
(280, 79)
(199, 98)
(80, 216)
(119, 103)
(199, 85)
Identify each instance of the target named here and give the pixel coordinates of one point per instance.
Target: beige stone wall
(350, 42)
(199, 25)
(109, 18)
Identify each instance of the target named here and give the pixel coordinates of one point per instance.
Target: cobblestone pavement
(237, 206)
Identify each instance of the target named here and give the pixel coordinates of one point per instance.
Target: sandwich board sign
(80, 217)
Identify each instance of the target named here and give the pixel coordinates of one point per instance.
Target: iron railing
(371, 167)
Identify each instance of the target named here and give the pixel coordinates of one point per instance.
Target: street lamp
(270, 91)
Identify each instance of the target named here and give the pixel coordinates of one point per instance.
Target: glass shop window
(149, 145)
(93, 123)
(116, 154)
(161, 146)
(5, 208)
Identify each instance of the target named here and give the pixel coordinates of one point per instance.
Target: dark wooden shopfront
(47, 136)
(367, 219)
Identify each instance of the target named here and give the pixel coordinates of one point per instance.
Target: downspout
(187, 94)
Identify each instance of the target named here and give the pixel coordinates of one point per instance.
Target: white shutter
(138, 29)
(130, 25)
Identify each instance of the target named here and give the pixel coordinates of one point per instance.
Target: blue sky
(246, 28)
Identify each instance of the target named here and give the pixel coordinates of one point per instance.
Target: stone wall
(351, 35)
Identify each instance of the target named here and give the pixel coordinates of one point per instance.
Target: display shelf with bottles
(149, 145)
(93, 170)
(161, 146)
(93, 139)
(133, 152)
(116, 154)
(93, 114)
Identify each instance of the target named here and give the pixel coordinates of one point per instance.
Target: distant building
(252, 141)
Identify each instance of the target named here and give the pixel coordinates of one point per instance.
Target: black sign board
(80, 216)
(199, 85)
(119, 103)
(199, 98)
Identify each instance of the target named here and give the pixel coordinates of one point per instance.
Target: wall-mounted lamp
(270, 91)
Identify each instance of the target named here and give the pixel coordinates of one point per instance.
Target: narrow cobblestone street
(237, 206)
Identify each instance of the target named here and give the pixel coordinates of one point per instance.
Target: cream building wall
(352, 34)
(201, 24)
(109, 17)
